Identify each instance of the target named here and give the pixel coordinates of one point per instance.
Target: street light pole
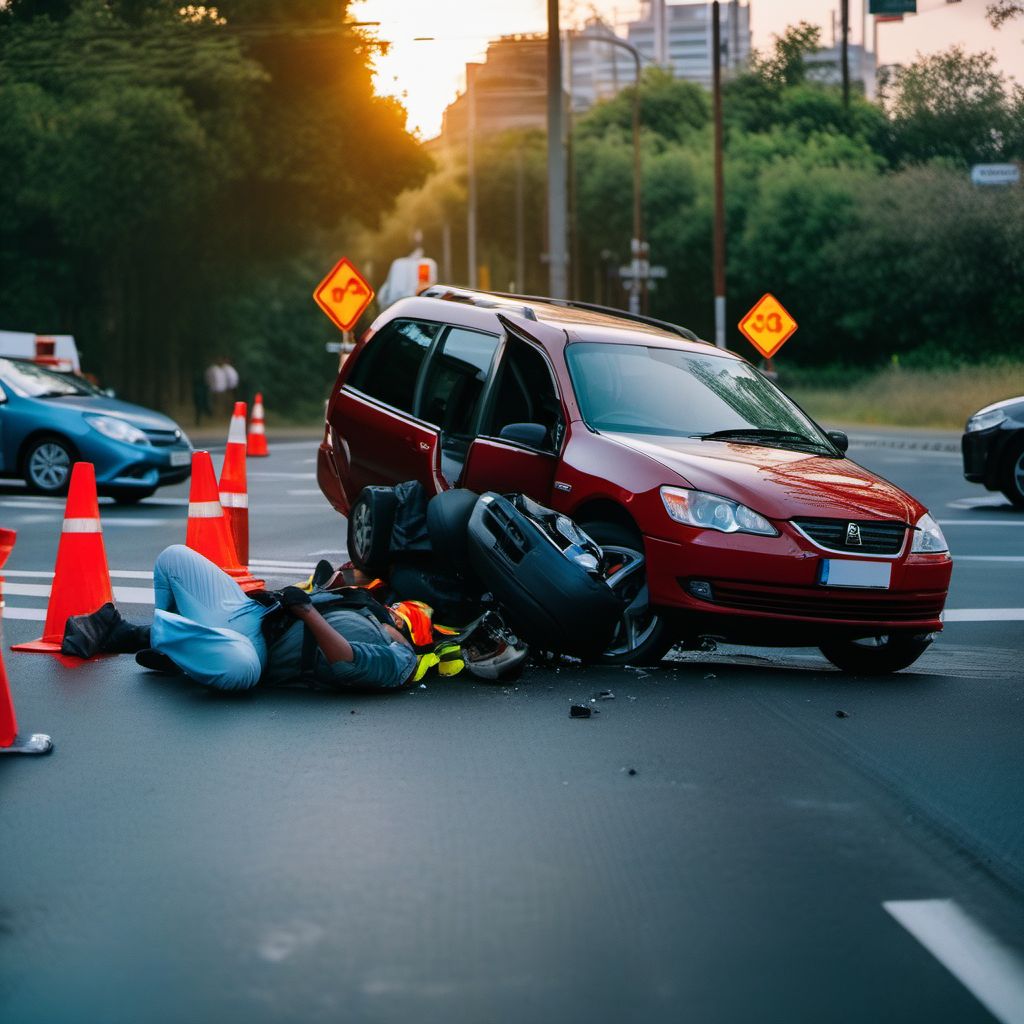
(719, 236)
(557, 198)
(638, 248)
(471, 173)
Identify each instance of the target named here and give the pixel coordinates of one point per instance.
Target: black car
(993, 448)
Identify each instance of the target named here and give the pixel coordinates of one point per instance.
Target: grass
(907, 397)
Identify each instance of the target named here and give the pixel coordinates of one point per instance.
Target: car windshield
(32, 381)
(638, 389)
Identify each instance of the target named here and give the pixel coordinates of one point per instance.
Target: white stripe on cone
(205, 510)
(256, 428)
(82, 526)
(231, 499)
(236, 432)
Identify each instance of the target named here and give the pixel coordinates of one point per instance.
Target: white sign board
(995, 174)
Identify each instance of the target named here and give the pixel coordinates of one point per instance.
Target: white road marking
(986, 968)
(261, 475)
(129, 595)
(982, 522)
(988, 558)
(31, 614)
(980, 501)
(983, 615)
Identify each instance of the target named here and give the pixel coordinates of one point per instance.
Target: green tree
(954, 105)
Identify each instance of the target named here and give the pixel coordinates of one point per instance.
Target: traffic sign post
(343, 295)
(767, 326)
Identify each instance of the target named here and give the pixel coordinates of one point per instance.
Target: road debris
(604, 695)
(842, 714)
(580, 711)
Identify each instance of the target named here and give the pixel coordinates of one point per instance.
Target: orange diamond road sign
(343, 294)
(767, 326)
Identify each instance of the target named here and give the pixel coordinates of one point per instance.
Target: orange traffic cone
(257, 431)
(10, 742)
(234, 496)
(81, 579)
(208, 531)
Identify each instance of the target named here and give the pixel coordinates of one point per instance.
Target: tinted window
(455, 380)
(388, 367)
(643, 390)
(526, 394)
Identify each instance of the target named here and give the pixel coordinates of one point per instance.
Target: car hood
(101, 405)
(779, 483)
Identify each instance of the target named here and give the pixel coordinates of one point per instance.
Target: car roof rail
(475, 298)
(622, 314)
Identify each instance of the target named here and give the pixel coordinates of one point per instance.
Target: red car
(731, 513)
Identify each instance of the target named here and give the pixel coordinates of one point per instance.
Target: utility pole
(556, 162)
(719, 238)
(845, 49)
(471, 70)
(520, 227)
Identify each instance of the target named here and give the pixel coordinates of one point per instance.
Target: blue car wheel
(48, 464)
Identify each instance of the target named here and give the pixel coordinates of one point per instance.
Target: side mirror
(534, 435)
(839, 439)
(110, 392)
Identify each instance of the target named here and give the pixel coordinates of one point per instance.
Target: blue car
(48, 421)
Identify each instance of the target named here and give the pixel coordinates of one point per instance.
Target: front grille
(877, 537)
(805, 602)
(163, 438)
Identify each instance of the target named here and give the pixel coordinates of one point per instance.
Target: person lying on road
(206, 627)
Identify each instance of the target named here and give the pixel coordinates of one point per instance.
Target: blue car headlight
(117, 429)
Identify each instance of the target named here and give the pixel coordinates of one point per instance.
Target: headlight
(117, 430)
(711, 512)
(928, 536)
(984, 420)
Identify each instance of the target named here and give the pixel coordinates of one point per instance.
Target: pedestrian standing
(230, 384)
(216, 384)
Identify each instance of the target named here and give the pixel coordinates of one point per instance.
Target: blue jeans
(204, 622)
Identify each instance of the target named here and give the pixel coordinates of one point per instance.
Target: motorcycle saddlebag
(548, 600)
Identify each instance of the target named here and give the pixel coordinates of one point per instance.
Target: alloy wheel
(628, 579)
(49, 466)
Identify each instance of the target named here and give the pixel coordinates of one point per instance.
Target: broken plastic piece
(37, 743)
(579, 711)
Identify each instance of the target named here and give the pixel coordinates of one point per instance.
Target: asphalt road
(716, 845)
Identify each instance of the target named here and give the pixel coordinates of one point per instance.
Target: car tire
(370, 522)
(1013, 476)
(652, 635)
(876, 656)
(47, 465)
(131, 496)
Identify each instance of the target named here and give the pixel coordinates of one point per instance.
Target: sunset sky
(427, 75)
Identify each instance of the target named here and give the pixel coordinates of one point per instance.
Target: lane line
(988, 558)
(983, 615)
(266, 475)
(981, 522)
(986, 968)
(129, 595)
(30, 614)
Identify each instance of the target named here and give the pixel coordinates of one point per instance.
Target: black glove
(295, 600)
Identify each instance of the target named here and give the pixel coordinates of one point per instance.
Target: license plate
(181, 458)
(845, 572)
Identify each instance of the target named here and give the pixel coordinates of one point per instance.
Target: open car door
(522, 427)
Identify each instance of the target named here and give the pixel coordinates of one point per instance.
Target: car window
(389, 365)
(455, 380)
(32, 381)
(641, 390)
(526, 394)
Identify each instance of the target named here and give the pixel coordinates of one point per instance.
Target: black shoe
(322, 574)
(157, 662)
(85, 636)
